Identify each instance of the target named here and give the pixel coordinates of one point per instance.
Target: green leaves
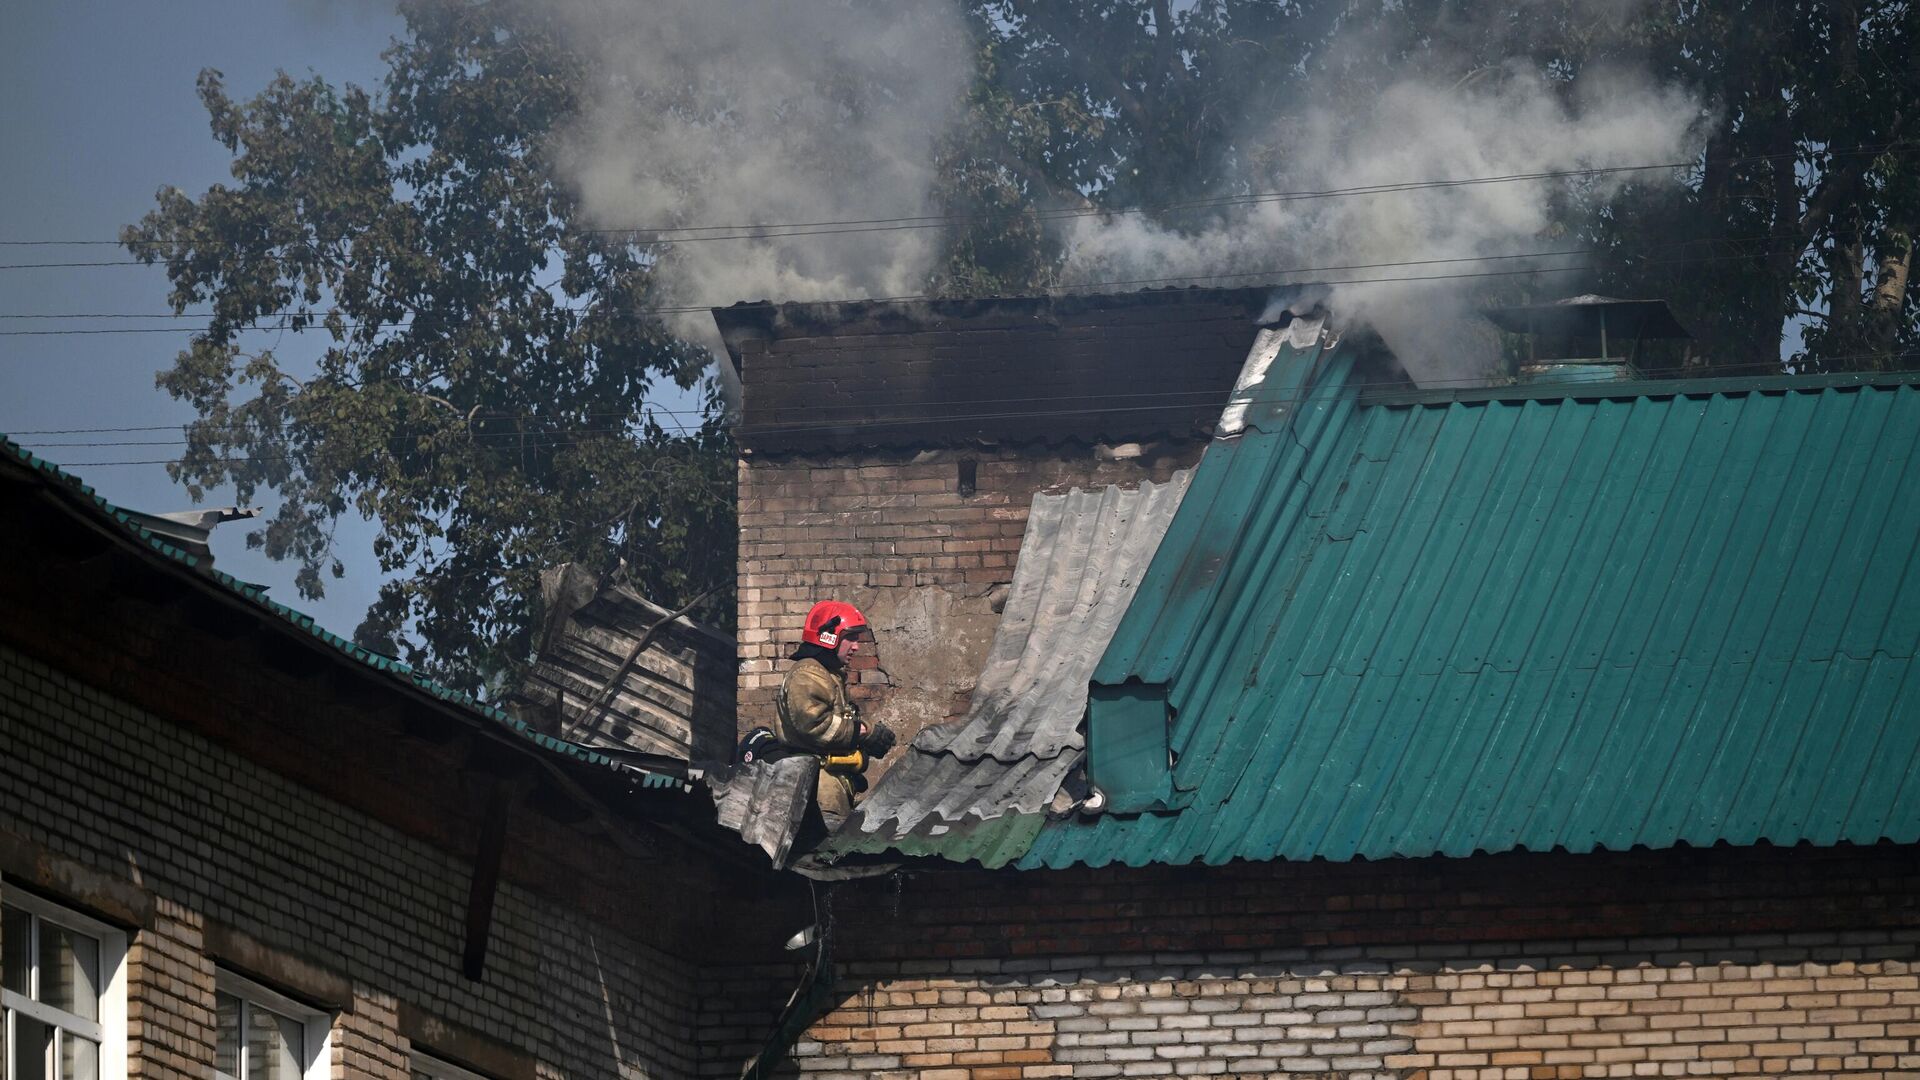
(458, 355)
(459, 359)
(1103, 105)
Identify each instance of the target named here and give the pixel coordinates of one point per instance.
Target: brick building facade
(1755, 962)
(1723, 959)
(252, 845)
(222, 832)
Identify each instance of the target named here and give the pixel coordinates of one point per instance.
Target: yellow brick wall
(1838, 1018)
(1497, 1020)
(1730, 962)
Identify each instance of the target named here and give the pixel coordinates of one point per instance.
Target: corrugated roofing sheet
(85, 497)
(1081, 559)
(765, 801)
(1423, 629)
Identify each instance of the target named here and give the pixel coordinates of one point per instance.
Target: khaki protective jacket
(814, 713)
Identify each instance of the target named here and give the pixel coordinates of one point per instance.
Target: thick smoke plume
(732, 113)
(740, 112)
(1502, 123)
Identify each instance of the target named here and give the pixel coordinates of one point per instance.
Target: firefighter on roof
(814, 714)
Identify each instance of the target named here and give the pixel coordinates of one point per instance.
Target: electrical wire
(917, 297)
(1080, 285)
(774, 230)
(558, 439)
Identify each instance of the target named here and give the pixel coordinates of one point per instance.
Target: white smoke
(1503, 123)
(742, 112)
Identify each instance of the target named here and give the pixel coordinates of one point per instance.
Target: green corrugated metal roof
(993, 843)
(401, 672)
(1415, 628)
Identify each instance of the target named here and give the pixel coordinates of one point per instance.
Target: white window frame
(440, 1069)
(316, 1025)
(110, 1031)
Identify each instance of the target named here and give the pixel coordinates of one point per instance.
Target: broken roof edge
(710, 635)
(1002, 841)
(123, 526)
(767, 319)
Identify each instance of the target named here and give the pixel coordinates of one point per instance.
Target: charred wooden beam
(485, 883)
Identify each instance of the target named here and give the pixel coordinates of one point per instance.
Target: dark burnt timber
(1048, 369)
(616, 671)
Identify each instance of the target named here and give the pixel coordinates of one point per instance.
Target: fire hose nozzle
(856, 761)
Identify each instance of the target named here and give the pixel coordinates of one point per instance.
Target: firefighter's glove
(876, 740)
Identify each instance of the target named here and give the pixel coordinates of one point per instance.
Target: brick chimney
(889, 452)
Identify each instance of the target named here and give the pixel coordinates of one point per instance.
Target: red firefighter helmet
(831, 620)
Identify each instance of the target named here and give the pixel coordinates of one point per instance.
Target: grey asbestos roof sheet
(765, 801)
(1080, 561)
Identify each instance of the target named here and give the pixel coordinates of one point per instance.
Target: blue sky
(97, 111)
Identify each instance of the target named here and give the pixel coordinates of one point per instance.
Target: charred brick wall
(1749, 963)
(890, 451)
(1102, 368)
(923, 542)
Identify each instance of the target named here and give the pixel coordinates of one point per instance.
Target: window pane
(426, 1067)
(226, 1035)
(273, 1045)
(79, 1059)
(32, 1049)
(69, 970)
(16, 926)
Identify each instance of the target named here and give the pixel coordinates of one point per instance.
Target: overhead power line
(316, 322)
(1280, 272)
(677, 234)
(925, 414)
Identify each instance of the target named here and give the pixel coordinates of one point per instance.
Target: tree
(489, 366)
(489, 362)
(1805, 201)
(1101, 105)
(1800, 210)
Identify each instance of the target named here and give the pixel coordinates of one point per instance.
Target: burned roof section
(616, 671)
(974, 790)
(1053, 369)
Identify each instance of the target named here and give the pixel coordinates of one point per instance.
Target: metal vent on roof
(191, 530)
(1586, 338)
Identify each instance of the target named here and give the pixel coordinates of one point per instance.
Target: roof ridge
(393, 667)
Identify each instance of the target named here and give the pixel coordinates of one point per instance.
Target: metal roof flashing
(1300, 334)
